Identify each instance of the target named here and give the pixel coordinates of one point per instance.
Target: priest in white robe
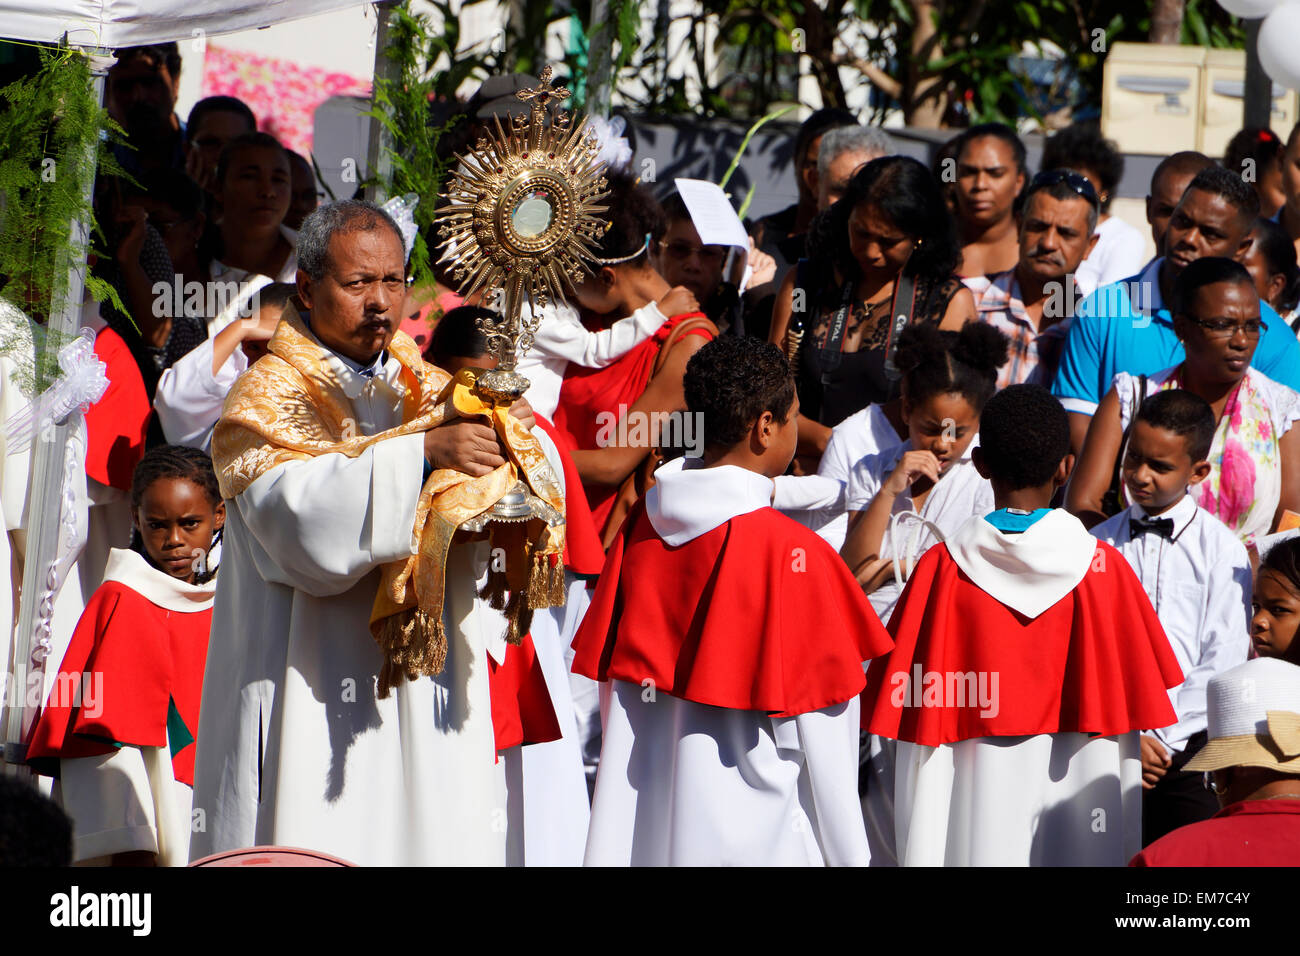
(308, 736)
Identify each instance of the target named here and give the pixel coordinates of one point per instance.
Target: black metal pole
(1257, 102)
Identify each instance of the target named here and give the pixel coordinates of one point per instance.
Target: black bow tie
(1161, 526)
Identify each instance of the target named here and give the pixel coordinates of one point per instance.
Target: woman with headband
(613, 414)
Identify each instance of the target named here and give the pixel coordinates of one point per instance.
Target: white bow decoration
(615, 151)
(82, 384)
(402, 209)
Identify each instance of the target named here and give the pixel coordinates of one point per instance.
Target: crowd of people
(958, 525)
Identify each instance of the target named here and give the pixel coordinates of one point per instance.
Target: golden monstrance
(520, 218)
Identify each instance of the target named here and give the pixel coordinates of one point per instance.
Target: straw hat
(1254, 718)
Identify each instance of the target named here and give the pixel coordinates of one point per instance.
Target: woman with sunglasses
(890, 233)
(684, 261)
(1255, 457)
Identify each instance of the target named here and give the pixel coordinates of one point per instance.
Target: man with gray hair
(310, 735)
(843, 152)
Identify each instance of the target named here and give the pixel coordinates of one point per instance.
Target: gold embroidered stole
(290, 406)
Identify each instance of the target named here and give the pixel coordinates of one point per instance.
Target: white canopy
(109, 24)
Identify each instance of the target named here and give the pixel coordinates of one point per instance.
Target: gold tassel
(519, 618)
(558, 595)
(414, 645)
(494, 589)
(539, 581)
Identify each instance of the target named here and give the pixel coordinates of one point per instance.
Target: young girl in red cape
(120, 725)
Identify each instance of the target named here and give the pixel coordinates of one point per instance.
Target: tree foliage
(942, 62)
(401, 101)
(53, 134)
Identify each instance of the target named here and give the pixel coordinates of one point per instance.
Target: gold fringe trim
(558, 595)
(546, 581)
(414, 645)
(538, 582)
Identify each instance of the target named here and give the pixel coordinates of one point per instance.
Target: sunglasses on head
(1076, 182)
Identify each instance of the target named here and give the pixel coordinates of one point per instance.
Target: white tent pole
(36, 608)
(600, 55)
(378, 163)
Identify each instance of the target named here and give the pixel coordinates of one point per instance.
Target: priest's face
(356, 306)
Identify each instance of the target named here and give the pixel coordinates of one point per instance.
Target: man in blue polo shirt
(1125, 327)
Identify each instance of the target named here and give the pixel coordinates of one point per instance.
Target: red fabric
(140, 657)
(116, 424)
(583, 553)
(1249, 833)
(586, 392)
(757, 614)
(1097, 661)
(521, 704)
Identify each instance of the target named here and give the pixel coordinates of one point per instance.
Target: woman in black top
(835, 308)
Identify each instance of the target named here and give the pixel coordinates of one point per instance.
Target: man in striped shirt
(1034, 302)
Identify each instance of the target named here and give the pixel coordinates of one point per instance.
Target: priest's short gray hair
(872, 140)
(345, 215)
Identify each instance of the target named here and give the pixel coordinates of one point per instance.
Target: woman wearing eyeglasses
(684, 261)
(1255, 458)
(891, 233)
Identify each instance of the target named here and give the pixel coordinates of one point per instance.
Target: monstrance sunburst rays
(522, 217)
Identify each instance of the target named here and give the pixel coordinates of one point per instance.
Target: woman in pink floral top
(1255, 458)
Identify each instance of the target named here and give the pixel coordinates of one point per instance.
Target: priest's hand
(524, 412)
(912, 466)
(468, 446)
(1155, 761)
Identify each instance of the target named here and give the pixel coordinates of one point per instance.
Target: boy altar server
(1026, 660)
(1197, 574)
(731, 640)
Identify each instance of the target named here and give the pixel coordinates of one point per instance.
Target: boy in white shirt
(190, 393)
(1197, 574)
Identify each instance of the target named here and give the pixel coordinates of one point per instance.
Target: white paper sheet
(711, 212)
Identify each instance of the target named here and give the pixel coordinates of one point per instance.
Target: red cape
(757, 614)
(141, 660)
(116, 424)
(583, 552)
(522, 712)
(1097, 661)
(587, 392)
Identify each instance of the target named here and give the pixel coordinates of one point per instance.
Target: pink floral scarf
(1245, 481)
